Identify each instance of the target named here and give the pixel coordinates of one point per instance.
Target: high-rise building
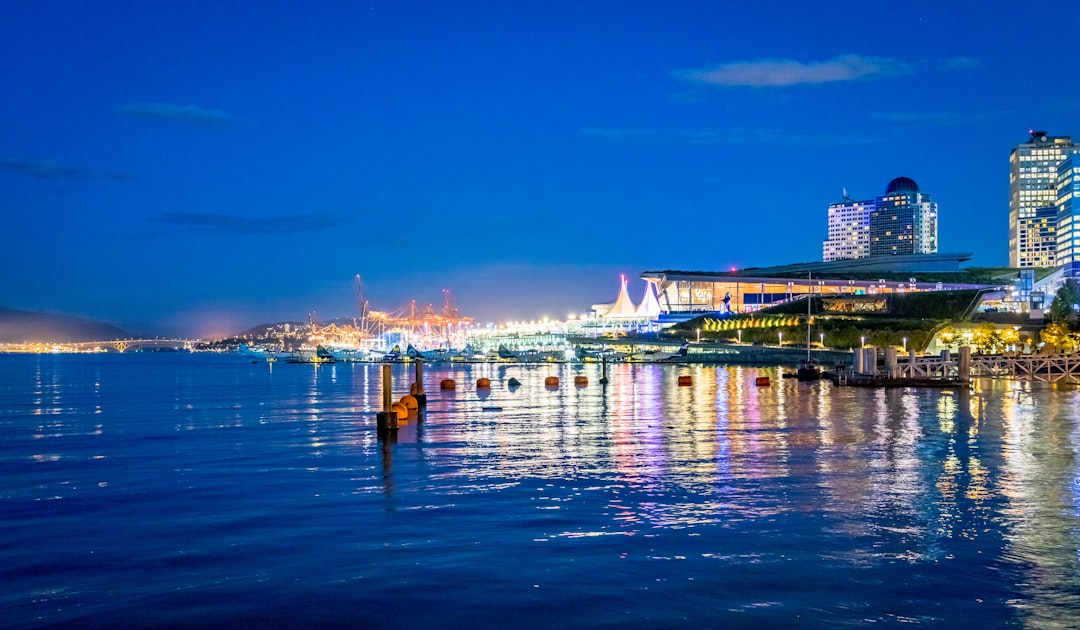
(1068, 214)
(849, 230)
(902, 221)
(1033, 179)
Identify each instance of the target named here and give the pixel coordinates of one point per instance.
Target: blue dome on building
(902, 185)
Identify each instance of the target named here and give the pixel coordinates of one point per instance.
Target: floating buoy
(762, 381)
(685, 380)
(552, 381)
(410, 402)
(447, 383)
(400, 409)
(483, 383)
(513, 382)
(581, 381)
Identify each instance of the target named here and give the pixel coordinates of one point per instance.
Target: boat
(594, 356)
(347, 355)
(659, 356)
(307, 354)
(262, 353)
(437, 354)
(809, 369)
(530, 355)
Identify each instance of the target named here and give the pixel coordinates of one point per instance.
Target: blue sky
(200, 167)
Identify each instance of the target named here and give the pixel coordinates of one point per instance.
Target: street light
(698, 334)
(740, 335)
(781, 338)
(905, 344)
(822, 335)
(862, 342)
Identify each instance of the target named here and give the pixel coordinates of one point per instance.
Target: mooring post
(965, 364)
(603, 370)
(892, 369)
(387, 419)
(421, 397)
(870, 361)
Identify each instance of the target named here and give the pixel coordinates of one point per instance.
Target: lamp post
(740, 335)
(698, 334)
(781, 334)
(822, 336)
(862, 342)
(905, 344)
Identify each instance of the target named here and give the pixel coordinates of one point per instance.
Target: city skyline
(198, 169)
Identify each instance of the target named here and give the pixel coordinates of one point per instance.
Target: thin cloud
(731, 136)
(42, 169)
(237, 225)
(184, 114)
(787, 72)
(54, 170)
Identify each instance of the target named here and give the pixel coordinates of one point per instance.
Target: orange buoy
(483, 383)
(581, 381)
(685, 380)
(762, 381)
(447, 383)
(552, 381)
(400, 409)
(410, 402)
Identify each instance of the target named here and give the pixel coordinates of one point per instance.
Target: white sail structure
(623, 307)
(650, 306)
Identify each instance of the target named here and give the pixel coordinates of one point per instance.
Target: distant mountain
(36, 326)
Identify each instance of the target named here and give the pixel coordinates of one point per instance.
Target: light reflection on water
(196, 485)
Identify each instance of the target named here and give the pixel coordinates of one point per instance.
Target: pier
(888, 368)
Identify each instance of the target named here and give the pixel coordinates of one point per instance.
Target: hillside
(35, 326)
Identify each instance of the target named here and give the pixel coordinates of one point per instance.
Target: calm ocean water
(203, 490)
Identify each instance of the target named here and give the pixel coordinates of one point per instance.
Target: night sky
(197, 168)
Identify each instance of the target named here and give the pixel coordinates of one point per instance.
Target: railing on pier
(1049, 368)
(930, 367)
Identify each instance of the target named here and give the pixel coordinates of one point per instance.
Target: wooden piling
(964, 362)
(387, 420)
(421, 397)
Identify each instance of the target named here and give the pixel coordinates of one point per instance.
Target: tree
(1068, 296)
(986, 337)
(1060, 336)
(1010, 337)
(948, 337)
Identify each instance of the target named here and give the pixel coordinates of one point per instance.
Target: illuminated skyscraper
(849, 230)
(902, 221)
(1033, 178)
(1068, 213)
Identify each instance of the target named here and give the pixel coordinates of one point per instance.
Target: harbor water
(179, 490)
